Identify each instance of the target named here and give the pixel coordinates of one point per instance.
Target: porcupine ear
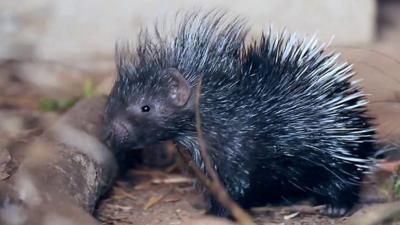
(179, 88)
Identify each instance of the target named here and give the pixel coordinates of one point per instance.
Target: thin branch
(218, 191)
(214, 185)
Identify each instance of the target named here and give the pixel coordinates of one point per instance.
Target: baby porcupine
(280, 117)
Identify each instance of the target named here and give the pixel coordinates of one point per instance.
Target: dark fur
(281, 118)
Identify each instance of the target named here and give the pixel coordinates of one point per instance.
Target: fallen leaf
(152, 201)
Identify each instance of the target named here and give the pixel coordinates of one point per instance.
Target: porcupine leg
(341, 204)
(219, 210)
(236, 185)
(339, 198)
(234, 173)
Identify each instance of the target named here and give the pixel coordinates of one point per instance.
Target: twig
(303, 209)
(125, 194)
(172, 180)
(120, 207)
(214, 185)
(151, 173)
(155, 199)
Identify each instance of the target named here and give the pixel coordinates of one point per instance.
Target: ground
(167, 196)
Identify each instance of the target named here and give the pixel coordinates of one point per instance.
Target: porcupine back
(198, 43)
(292, 124)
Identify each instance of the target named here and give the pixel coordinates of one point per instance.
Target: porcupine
(281, 118)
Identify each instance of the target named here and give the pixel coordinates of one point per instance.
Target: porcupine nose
(121, 131)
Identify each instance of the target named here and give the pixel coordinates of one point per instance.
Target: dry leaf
(152, 201)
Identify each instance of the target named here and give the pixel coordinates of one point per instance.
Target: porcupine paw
(218, 210)
(336, 210)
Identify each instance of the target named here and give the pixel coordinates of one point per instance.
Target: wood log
(64, 173)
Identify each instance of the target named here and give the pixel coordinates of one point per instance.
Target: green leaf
(67, 103)
(397, 188)
(88, 88)
(48, 105)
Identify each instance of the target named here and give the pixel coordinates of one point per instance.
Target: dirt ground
(167, 196)
(170, 198)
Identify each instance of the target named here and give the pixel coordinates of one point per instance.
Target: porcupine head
(153, 96)
(144, 114)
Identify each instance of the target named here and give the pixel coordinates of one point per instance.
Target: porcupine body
(280, 117)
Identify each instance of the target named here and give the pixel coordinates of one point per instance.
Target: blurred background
(86, 30)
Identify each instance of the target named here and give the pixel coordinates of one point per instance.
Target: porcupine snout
(122, 131)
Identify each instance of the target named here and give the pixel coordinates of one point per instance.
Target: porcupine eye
(145, 108)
